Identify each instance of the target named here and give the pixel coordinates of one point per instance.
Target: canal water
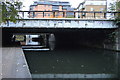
(48, 62)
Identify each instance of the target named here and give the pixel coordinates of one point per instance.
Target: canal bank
(112, 42)
(14, 64)
(71, 63)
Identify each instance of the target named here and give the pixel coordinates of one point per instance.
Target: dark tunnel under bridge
(63, 36)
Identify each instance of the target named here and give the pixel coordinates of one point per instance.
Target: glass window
(45, 14)
(92, 9)
(101, 9)
(48, 14)
(101, 3)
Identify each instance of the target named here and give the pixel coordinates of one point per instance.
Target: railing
(65, 14)
(60, 19)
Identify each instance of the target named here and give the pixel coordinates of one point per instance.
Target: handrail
(76, 11)
(72, 14)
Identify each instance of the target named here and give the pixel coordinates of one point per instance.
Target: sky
(27, 3)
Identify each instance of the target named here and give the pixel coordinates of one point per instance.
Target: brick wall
(95, 8)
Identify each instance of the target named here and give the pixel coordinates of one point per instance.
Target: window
(101, 3)
(92, 9)
(48, 14)
(48, 5)
(101, 9)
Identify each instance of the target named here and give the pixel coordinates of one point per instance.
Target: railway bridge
(66, 30)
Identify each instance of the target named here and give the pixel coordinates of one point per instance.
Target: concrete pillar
(44, 39)
(112, 42)
(51, 41)
(118, 40)
(51, 37)
(116, 44)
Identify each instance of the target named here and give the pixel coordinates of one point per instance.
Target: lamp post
(80, 7)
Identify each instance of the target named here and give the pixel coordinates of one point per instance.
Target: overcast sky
(27, 3)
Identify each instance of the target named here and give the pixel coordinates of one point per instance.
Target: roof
(66, 5)
(51, 3)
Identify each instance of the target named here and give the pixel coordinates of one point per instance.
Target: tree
(9, 11)
(116, 7)
(118, 14)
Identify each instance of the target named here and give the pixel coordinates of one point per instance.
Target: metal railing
(65, 14)
(61, 19)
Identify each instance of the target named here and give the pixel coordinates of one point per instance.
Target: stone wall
(116, 44)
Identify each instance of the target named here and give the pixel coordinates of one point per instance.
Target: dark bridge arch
(66, 36)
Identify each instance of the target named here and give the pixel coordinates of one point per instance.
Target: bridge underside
(54, 30)
(66, 36)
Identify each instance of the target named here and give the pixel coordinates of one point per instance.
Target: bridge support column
(118, 40)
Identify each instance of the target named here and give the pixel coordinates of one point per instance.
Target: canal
(45, 61)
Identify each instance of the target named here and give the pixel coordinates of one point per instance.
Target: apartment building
(55, 6)
(95, 5)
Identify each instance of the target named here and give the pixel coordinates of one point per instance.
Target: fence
(68, 14)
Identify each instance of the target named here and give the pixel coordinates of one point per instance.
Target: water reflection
(73, 63)
(51, 42)
(51, 45)
(83, 61)
(29, 40)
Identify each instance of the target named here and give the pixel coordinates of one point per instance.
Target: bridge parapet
(69, 14)
(80, 19)
(62, 23)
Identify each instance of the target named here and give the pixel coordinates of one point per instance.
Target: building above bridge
(50, 6)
